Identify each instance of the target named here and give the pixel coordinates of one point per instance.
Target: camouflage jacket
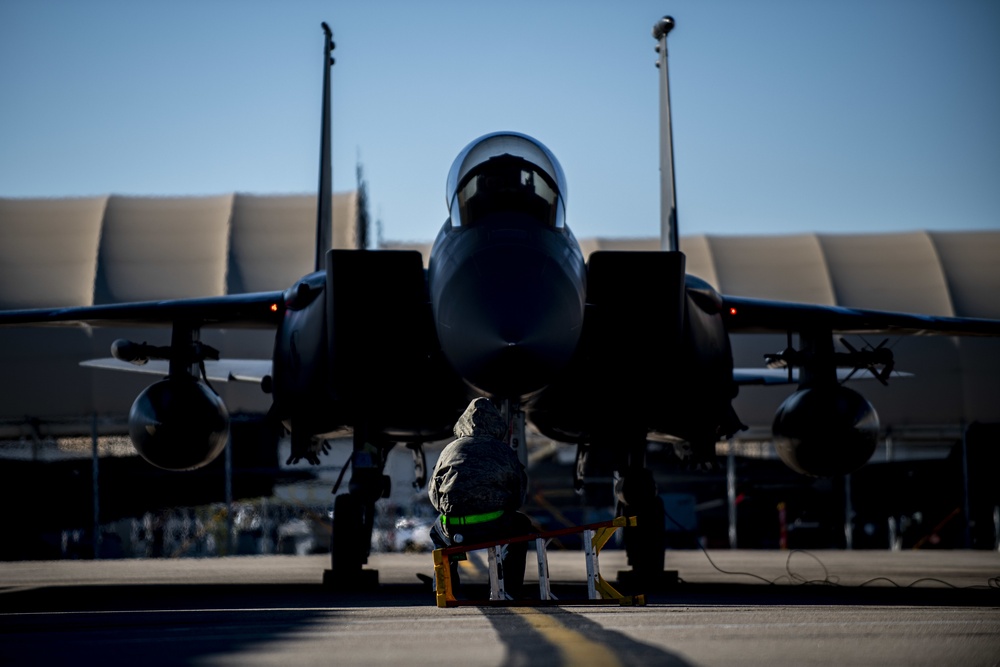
(478, 472)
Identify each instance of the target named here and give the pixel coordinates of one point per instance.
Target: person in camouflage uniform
(478, 485)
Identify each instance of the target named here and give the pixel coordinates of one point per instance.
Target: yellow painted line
(475, 561)
(575, 648)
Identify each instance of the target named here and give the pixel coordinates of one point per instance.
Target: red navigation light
(732, 311)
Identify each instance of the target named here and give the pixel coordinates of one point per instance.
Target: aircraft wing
(746, 315)
(257, 310)
(222, 370)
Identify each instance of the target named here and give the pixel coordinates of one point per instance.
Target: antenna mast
(324, 207)
(668, 183)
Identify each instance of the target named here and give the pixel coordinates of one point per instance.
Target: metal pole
(229, 496)
(544, 589)
(996, 528)
(892, 519)
(731, 494)
(966, 504)
(95, 468)
(848, 515)
(265, 525)
(782, 526)
(668, 183)
(593, 570)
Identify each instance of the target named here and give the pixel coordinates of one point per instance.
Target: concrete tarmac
(764, 608)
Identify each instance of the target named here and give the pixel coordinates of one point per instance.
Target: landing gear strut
(635, 494)
(354, 517)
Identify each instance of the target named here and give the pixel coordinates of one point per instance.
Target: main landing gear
(354, 517)
(635, 494)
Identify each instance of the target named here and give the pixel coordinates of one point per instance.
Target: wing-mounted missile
(140, 353)
(877, 360)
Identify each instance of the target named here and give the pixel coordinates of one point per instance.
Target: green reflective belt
(472, 518)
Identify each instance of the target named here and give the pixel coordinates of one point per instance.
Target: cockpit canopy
(506, 171)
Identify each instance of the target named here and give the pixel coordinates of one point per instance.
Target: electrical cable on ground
(827, 580)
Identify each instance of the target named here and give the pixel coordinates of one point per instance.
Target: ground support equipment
(599, 591)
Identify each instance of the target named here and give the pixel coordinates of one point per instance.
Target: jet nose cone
(509, 324)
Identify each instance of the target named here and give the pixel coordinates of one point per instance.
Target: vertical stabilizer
(324, 206)
(668, 183)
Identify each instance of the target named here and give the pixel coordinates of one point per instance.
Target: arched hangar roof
(111, 249)
(933, 273)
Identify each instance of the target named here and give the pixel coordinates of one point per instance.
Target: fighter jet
(606, 354)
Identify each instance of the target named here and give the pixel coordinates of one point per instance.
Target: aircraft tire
(347, 552)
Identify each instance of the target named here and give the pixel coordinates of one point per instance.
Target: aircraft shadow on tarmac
(528, 643)
(143, 597)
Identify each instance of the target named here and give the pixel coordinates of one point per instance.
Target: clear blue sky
(788, 116)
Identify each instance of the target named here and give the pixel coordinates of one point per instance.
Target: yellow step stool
(599, 591)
